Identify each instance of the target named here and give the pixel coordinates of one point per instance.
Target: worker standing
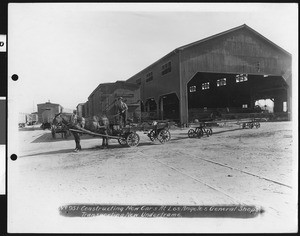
(122, 111)
(74, 118)
(75, 124)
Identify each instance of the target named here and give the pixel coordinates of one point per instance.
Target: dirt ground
(233, 166)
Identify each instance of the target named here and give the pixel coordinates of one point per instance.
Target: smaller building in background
(103, 100)
(85, 108)
(32, 118)
(46, 111)
(27, 119)
(80, 109)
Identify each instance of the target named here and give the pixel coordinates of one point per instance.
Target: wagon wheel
(169, 136)
(164, 136)
(191, 133)
(152, 135)
(133, 139)
(199, 133)
(122, 141)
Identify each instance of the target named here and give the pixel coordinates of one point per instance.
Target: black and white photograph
(152, 118)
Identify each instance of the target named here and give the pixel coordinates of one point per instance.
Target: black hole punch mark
(15, 77)
(13, 157)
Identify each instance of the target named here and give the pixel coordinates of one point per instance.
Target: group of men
(122, 109)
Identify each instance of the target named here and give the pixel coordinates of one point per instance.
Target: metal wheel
(199, 133)
(133, 139)
(209, 132)
(164, 136)
(191, 133)
(169, 136)
(152, 135)
(122, 141)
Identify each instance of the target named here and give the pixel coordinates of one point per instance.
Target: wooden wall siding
(55, 109)
(238, 52)
(105, 94)
(161, 84)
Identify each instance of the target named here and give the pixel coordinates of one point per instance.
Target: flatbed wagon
(249, 124)
(199, 131)
(156, 130)
(127, 136)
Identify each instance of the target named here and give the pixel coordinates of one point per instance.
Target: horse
(95, 124)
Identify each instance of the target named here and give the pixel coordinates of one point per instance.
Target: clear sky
(62, 52)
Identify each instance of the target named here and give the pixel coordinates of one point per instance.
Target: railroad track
(194, 178)
(274, 212)
(229, 167)
(239, 170)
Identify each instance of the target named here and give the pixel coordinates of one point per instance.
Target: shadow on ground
(95, 148)
(48, 138)
(214, 132)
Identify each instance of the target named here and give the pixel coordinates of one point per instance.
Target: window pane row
(241, 78)
(149, 77)
(166, 68)
(221, 82)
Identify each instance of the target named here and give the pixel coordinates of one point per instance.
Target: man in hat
(122, 110)
(75, 123)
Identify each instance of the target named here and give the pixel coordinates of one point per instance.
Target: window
(205, 86)
(245, 105)
(221, 82)
(284, 106)
(149, 77)
(192, 89)
(166, 68)
(241, 78)
(139, 81)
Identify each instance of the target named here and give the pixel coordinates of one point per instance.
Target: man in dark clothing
(122, 109)
(74, 123)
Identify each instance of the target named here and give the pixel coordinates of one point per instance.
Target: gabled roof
(212, 37)
(115, 85)
(48, 103)
(229, 31)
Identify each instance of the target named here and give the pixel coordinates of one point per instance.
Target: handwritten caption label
(151, 211)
